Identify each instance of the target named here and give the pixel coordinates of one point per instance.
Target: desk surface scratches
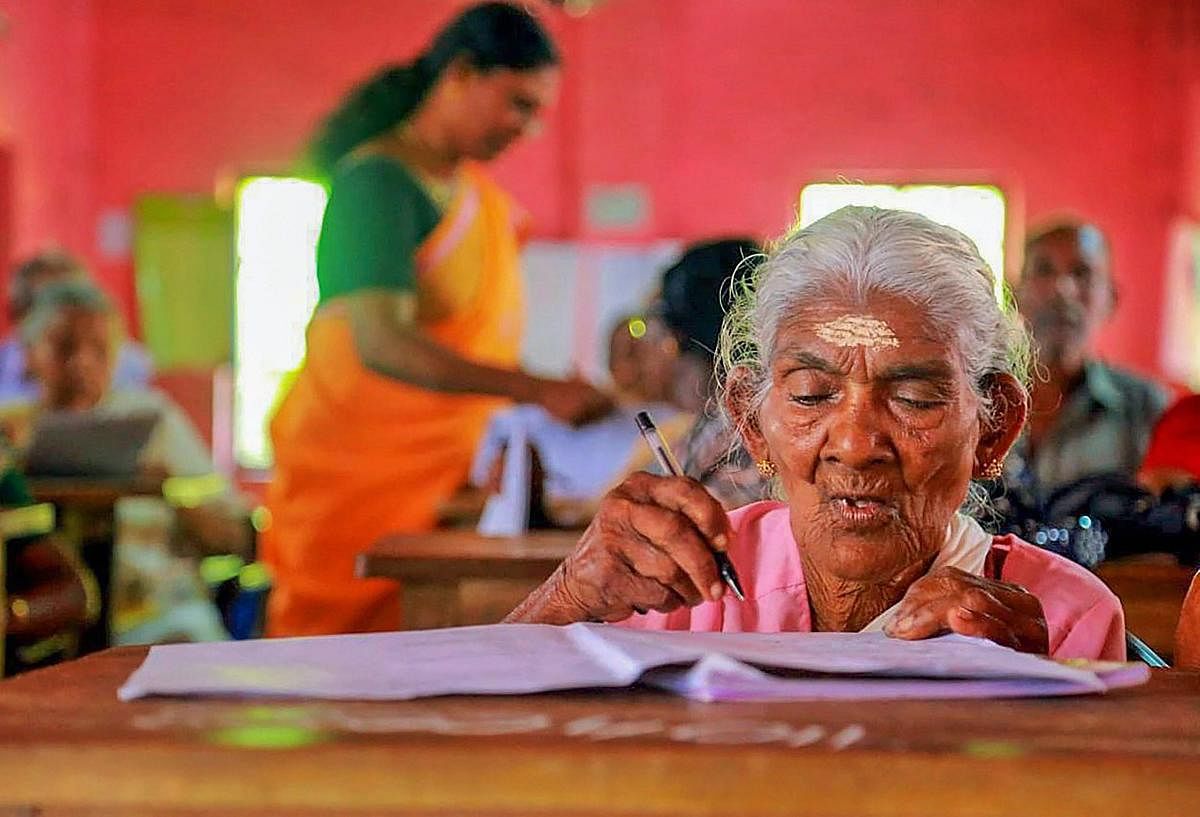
(68, 747)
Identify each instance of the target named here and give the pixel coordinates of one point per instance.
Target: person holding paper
(872, 374)
(416, 337)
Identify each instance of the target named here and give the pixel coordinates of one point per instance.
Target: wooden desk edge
(675, 780)
(92, 493)
(447, 571)
(193, 771)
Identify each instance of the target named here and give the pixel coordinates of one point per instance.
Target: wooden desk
(452, 578)
(90, 493)
(87, 519)
(68, 747)
(1151, 589)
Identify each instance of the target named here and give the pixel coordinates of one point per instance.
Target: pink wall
(1066, 105)
(723, 109)
(46, 92)
(1190, 39)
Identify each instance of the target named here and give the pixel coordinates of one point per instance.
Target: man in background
(1068, 484)
(31, 276)
(1087, 417)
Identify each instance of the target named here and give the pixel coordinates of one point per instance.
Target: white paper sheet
(510, 659)
(718, 678)
(507, 513)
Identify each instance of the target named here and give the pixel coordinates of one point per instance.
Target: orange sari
(359, 455)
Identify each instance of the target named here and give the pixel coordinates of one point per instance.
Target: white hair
(858, 252)
(57, 297)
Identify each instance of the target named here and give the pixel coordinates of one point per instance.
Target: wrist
(552, 603)
(527, 388)
(563, 604)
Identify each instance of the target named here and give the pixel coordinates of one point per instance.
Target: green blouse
(377, 217)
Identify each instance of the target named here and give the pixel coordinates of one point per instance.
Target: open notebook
(513, 659)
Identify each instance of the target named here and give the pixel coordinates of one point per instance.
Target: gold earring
(766, 468)
(994, 469)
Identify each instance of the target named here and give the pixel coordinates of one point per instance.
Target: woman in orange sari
(416, 336)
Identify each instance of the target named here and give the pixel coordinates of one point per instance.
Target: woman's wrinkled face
(73, 359)
(873, 428)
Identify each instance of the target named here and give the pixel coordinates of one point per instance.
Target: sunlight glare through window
(976, 210)
(278, 222)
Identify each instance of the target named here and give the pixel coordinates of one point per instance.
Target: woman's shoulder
(376, 183)
(1084, 618)
(764, 550)
(749, 520)
(373, 168)
(481, 178)
(1055, 580)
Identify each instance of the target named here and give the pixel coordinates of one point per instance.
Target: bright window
(976, 210)
(278, 221)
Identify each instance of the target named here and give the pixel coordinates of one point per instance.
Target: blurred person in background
(48, 596)
(416, 336)
(71, 335)
(696, 295)
(133, 366)
(639, 347)
(1172, 461)
(1087, 417)
(1069, 483)
(661, 362)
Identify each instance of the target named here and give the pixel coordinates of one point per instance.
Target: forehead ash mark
(858, 330)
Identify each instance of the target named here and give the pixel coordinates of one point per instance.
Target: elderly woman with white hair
(872, 374)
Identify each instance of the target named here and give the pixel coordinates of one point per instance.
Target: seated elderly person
(133, 366)
(872, 374)
(71, 335)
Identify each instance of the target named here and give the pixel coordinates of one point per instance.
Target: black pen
(666, 461)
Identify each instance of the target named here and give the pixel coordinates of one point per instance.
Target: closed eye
(811, 399)
(919, 405)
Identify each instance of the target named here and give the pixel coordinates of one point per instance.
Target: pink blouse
(1083, 616)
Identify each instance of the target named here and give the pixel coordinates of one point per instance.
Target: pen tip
(644, 423)
(728, 574)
